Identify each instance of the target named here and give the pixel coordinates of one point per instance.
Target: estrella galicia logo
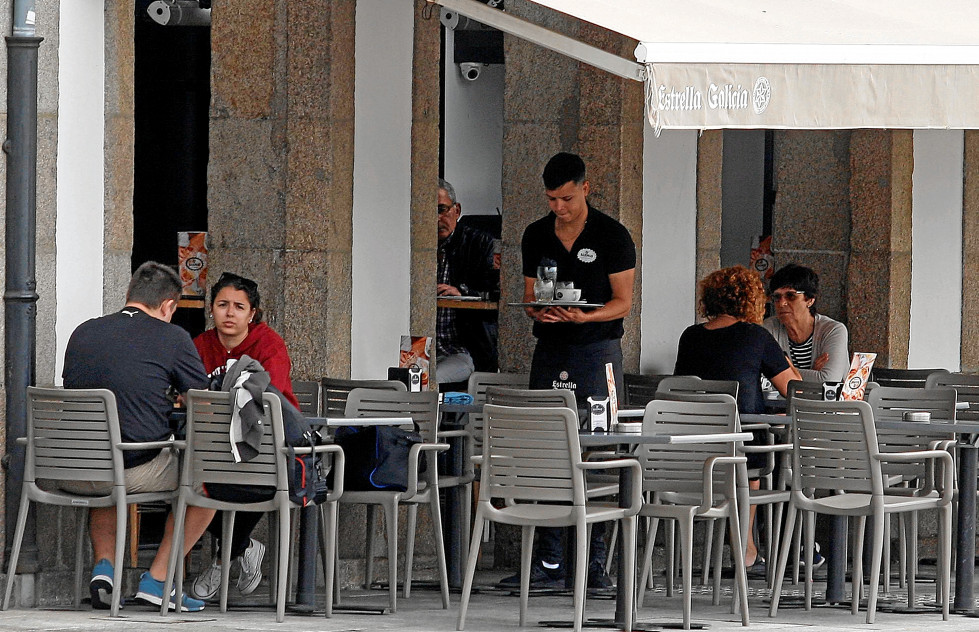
(761, 95)
(587, 255)
(563, 375)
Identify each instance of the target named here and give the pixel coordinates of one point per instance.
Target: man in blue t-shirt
(138, 355)
(597, 254)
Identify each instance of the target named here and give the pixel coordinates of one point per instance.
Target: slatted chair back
(693, 384)
(640, 389)
(889, 403)
(422, 407)
(833, 448)
(902, 378)
(531, 454)
(70, 434)
(680, 467)
(478, 383)
(966, 390)
(208, 455)
(308, 394)
(535, 398)
(335, 391)
(799, 389)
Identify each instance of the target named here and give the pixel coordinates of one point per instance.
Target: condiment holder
(913, 415)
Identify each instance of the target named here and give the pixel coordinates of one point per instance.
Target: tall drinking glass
(544, 285)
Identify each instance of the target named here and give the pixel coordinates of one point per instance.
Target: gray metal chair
(691, 384)
(695, 481)
(902, 378)
(423, 487)
(334, 392)
(889, 404)
(640, 389)
(836, 470)
(73, 435)
(532, 461)
(966, 387)
(208, 460)
(308, 394)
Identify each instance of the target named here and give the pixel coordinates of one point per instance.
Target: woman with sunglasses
(816, 343)
(238, 331)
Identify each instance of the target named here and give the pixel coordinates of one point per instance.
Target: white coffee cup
(567, 294)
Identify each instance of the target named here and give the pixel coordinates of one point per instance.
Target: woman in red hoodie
(239, 330)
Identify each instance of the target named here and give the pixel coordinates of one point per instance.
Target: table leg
(625, 493)
(965, 549)
(306, 570)
(836, 560)
(453, 511)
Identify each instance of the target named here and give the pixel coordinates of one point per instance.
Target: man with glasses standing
(465, 268)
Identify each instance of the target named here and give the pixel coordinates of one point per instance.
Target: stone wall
(280, 175)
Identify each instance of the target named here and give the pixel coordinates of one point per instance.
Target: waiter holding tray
(596, 254)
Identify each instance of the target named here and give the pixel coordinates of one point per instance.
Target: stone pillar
(119, 153)
(551, 104)
(970, 255)
(710, 166)
(879, 273)
(811, 219)
(425, 97)
(280, 175)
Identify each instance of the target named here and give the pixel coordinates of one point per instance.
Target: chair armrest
(927, 455)
(448, 434)
(152, 445)
(766, 449)
(709, 466)
(635, 502)
(413, 454)
(21, 440)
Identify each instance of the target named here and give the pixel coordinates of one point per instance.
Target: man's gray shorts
(157, 475)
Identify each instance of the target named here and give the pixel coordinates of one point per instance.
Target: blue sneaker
(101, 585)
(151, 591)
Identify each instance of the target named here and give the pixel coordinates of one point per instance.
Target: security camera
(179, 13)
(470, 70)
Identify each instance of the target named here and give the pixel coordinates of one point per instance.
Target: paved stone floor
(493, 610)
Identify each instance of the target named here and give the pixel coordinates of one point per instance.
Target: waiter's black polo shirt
(604, 247)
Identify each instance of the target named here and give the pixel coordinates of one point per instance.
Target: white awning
(813, 64)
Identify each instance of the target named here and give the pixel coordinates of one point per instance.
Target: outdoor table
(467, 302)
(965, 549)
(309, 516)
(599, 439)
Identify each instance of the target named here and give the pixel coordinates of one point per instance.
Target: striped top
(801, 353)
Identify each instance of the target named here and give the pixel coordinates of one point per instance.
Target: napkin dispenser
(598, 413)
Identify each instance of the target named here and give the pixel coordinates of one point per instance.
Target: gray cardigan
(828, 336)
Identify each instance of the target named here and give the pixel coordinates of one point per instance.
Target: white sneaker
(207, 584)
(251, 567)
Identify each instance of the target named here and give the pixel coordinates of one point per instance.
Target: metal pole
(20, 292)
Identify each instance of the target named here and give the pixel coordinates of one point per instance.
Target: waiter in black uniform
(574, 344)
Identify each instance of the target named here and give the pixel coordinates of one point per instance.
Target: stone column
(280, 175)
(710, 166)
(811, 220)
(551, 104)
(425, 96)
(879, 273)
(970, 255)
(119, 153)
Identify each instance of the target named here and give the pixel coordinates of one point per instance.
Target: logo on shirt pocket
(587, 255)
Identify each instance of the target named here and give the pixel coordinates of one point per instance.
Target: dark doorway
(172, 94)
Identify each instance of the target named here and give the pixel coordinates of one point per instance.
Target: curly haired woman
(732, 345)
